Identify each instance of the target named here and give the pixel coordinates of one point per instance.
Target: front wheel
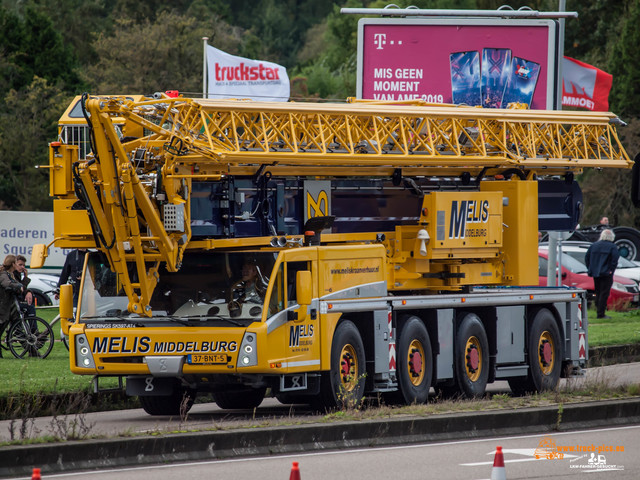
(343, 386)
(30, 336)
(178, 403)
(244, 399)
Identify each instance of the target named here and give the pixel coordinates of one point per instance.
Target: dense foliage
(51, 50)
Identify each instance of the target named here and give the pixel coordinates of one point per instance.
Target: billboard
(19, 231)
(465, 61)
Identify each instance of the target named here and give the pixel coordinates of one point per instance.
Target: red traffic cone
(295, 472)
(36, 474)
(498, 472)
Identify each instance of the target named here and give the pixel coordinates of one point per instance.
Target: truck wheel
(415, 361)
(545, 351)
(471, 353)
(244, 399)
(178, 403)
(343, 386)
(545, 356)
(628, 242)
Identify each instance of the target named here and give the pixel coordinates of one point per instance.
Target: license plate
(636, 298)
(206, 359)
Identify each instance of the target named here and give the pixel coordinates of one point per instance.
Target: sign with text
(464, 61)
(19, 231)
(230, 76)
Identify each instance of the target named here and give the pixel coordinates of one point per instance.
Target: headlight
(248, 356)
(619, 286)
(84, 357)
(53, 284)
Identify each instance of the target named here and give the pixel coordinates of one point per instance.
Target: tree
(12, 70)
(77, 21)
(155, 56)
(30, 45)
(27, 125)
(624, 65)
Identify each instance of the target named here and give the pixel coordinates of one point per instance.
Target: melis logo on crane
(467, 212)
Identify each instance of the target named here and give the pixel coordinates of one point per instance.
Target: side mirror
(303, 287)
(564, 275)
(38, 255)
(66, 307)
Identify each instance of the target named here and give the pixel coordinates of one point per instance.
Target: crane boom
(224, 136)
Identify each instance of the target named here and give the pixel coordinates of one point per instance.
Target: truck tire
(471, 357)
(247, 398)
(628, 242)
(545, 356)
(415, 361)
(178, 403)
(343, 385)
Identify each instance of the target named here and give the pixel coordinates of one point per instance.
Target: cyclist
(9, 289)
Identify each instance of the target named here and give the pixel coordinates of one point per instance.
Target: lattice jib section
(242, 133)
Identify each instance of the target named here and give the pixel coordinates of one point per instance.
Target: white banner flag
(236, 77)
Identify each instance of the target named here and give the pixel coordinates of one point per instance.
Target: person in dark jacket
(602, 260)
(72, 271)
(22, 275)
(10, 288)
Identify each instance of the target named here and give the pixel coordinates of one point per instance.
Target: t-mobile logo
(379, 39)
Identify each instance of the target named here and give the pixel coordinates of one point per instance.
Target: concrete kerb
(613, 354)
(93, 454)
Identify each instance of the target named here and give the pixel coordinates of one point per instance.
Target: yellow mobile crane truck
(325, 252)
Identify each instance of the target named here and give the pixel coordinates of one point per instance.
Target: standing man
(602, 260)
(72, 271)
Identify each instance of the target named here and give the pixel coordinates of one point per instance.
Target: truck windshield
(216, 285)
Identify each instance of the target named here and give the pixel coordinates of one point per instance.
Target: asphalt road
(209, 416)
(454, 460)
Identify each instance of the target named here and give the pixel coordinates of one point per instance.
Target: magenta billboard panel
(464, 61)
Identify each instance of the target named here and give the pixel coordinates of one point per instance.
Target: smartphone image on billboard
(496, 65)
(522, 82)
(465, 77)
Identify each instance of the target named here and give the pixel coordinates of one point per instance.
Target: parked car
(43, 287)
(624, 292)
(625, 268)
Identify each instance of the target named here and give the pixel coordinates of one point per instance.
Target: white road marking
(340, 452)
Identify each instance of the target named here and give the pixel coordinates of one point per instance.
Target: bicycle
(28, 335)
(64, 338)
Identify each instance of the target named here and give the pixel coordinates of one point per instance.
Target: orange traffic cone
(295, 472)
(36, 474)
(498, 472)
